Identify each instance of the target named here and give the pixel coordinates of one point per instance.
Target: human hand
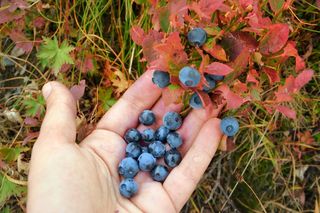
(67, 177)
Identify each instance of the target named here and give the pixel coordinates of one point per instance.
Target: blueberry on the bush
(172, 120)
(133, 150)
(189, 76)
(229, 126)
(128, 167)
(174, 139)
(210, 81)
(195, 101)
(159, 173)
(157, 149)
(161, 133)
(172, 158)
(197, 36)
(132, 135)
(128, 187)
(161, 78)
(148, 135)
(217, 77)
(147, 117)
(146, 161)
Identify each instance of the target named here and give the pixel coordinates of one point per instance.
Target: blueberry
(159, 173)
(147, 117)
(128, 167)
(172, 158)
(133, 150)
(144, 149)
(229, 126)
(161, 78)
(172, 120)
(161, 133)
(197, 36)
(174, 139)
(148, 135)
(146, 161)
(210, 81)
(195, 101)
(189, 76)
(128, 187)
(132, 135)
(217, 77)
(157, 149)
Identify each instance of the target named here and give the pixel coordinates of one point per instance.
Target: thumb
(59, 124)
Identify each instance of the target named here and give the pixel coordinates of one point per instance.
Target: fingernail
(46, 90)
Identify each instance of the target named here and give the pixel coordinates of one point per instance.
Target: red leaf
(31, 121)
(78, 90)
(178, 9)
(39, 22)
(252, 75)
(204, 97)
(216, 51)
(21, 41)
(152, 38)
(275, 39)
(233, 100)
(245, 3)
(137, 34)
(205, 8)
(86, 65)
(240, 87)
(303, 78)
(217, 68)
(290, 113)
(284, 92)
(290, 50)
(318, 3)
(272, 75)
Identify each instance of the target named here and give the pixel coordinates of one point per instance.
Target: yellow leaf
(120, 82)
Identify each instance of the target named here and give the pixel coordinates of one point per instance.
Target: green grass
(260, 175)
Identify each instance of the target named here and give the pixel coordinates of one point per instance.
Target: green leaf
(173, 86)
(53, 56)
(164, 19)
(34, 106)
(8, 189)
(105, 96)
(11, 154)
(276, 5)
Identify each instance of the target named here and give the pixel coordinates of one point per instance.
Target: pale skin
(67, 177)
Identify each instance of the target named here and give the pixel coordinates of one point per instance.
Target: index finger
(124, 114)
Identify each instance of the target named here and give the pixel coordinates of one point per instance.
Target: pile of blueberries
(145, 149)
(189, 76)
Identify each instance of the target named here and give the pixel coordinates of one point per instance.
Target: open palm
(67, 177)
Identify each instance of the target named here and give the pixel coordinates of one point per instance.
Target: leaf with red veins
(285, 92)
(21, 41)
(217, 68)
(205, 8)
(171, 53)
(237, 43)
(137, 34)
(240, 87)
(178, 9)
(233, 100)
(7, 16)
(272, 74)
(216, 51)
(275, 39)
(290, 113)
(252, 77)
(290, 50)
(303, 78)
(78, 90)
(152, 39)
